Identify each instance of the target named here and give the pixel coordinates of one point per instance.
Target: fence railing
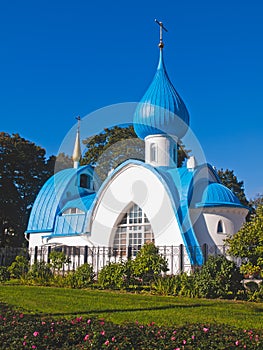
(176, 256)
(8, 254)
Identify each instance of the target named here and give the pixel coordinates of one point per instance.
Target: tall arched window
(153, 152)
(220, 227)
(133, 231)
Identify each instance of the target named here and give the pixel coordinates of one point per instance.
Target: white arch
(138, 184)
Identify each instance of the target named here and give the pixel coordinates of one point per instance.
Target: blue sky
(60, 59)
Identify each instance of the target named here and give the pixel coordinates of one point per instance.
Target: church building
(139, 202)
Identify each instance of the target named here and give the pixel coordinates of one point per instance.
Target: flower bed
(19, 331)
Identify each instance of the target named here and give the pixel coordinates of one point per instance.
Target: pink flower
(86, 337)
(237, 343)
(43, 322)
(25, 337)
(107, 342)
(205, 329)
(173, 338)
(193, 337)
(177, 349)
(184, 341)
(113, 339)
(24, 343)
(89, 321)
(102, 333)
(21, 315)
(34, 347)
(35, 334)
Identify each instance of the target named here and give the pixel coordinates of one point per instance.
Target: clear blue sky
(60, 59)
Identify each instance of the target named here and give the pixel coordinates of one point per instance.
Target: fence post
(35, 254)
(48, 253)
(205, 252)
(181, 258)
(129, 252)
(85, 254)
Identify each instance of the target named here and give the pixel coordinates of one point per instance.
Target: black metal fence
(176, 256)
(8, 254)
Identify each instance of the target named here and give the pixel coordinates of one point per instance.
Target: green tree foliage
(247, 244)
(229, 179)
(62, 161)
(115, 145)
(23, 171)
(255, 202)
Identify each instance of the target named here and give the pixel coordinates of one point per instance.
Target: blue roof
(48, 202)
(70, 224)
(161, 110)
(217, 194)
(83, 203)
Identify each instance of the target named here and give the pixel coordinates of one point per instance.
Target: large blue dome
(217, 194)
(161, 110)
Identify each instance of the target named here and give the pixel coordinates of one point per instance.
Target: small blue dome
(161, 110)
(217, 194)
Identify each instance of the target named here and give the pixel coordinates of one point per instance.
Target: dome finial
(161, 44)
(77, 150)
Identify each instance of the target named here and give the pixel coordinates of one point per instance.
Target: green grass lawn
(126, 307)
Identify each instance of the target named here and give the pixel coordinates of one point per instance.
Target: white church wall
(206, 222)
(139, 185)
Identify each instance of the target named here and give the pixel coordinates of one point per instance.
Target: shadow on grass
(97, 312)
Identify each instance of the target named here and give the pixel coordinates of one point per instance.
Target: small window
(220, 228)
(73, 211)
(84, 181)
(153, 152)
(175, 154)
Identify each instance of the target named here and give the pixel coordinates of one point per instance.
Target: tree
(247, 244)
(23, 171)
(230, 180)
(115, 145)
(255, 202)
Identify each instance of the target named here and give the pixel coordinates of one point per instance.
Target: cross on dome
(161, 44)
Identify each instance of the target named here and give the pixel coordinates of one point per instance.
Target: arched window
(220, 227)
(133, 231)
(84, 181)
(153, 152)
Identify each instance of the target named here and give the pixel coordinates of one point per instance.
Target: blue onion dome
(161, 110)
(217, 194)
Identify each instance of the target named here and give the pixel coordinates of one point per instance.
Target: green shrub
(164, 285)
(19, 268)
(218, 278)
(181, 284)
(83, 277)
(4, 274)
(40, 273)
(115, 275)
(254, 291)
(149, 264)
(57, 260)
